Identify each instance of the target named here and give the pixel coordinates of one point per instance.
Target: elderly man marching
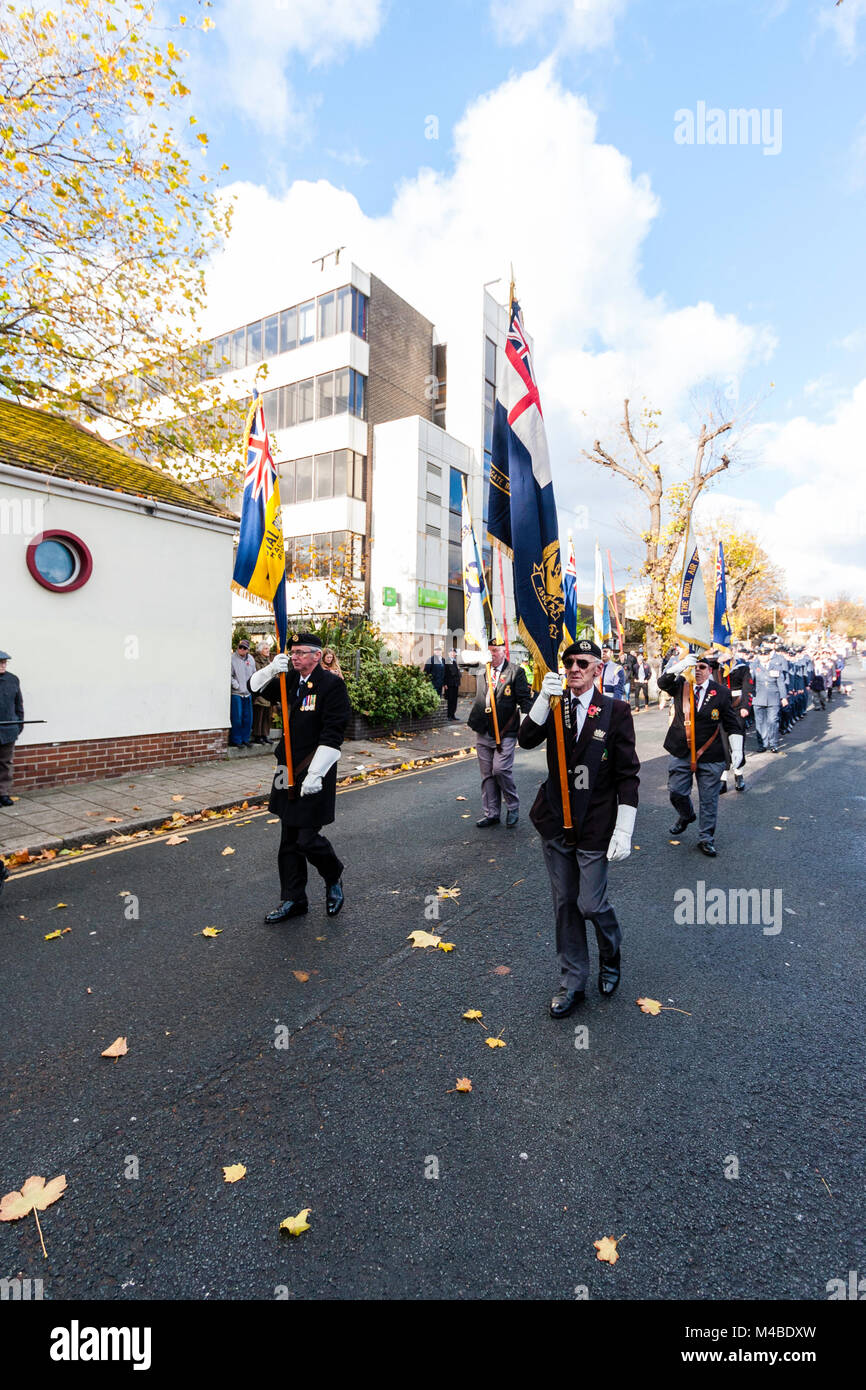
(497, 711)
(603, 770)
(319, 709)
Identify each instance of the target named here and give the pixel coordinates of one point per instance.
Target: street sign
(432, 598)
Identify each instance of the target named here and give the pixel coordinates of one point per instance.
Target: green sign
(432, 598)
(389, 598)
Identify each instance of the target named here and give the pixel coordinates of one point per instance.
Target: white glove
(620, 840)
(474, 658)
(551, 685)
(736, 742)
(321, 762)
(278, 667)
(686, 664)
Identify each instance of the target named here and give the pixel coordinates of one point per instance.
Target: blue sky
(774, 242)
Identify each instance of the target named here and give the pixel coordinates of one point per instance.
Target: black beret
(305, 639)
(583, 648)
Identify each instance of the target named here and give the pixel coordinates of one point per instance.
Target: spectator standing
(452, 683)
(261, 708)
(642, 676)
(11, 725)
(243, 666)
(434, 667)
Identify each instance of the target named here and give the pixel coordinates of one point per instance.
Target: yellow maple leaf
(446, 945)
(36, 1194)
(650, 1006)
(463, 1084)
(607, 1250)
(473, 1013)
(117, 1049)
(177, 839)
(296, 1224)
(494, 1042)
(234, 1172)
(423, 938)
(211, 931)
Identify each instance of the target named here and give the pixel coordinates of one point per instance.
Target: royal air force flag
(721, 621)
(692, 620)
(260, 563)
(522, 510)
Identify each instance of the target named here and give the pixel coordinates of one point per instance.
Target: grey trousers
(709, 779)
(497, 774)
(7, 752)
(767, 724)
(578, 882)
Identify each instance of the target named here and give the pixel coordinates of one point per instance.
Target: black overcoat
(716, 714)
(319, 710)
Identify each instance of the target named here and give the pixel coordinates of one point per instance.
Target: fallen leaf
(136, 808)
(296, 1224)
(61, 931)
(234, 1172)
(177, 798)
(113, 820)
(423, 938)
(463, 1084)
(60, 904)
(607, 1250)
(211, 931)
(465, 815)
(494, 1042)
(451, 892)
(117, 1049)
(473, 1013)
(461, 798)
(89, 990)
(274, 821)
(36, 1194)
(673, 842)
(177, 839)
(502, 969)
(650, 1006)
(227, 850)
(301, 975)
(519, 880)
(443, 945)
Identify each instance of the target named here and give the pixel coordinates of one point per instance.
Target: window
(306, 400)
(238, 353)
(455, 491)
(341, 391)
(287, 482)
(344, 309)
(489, 361)
(325, 394)
(324, 475)
(359, 313)
(360, 489)
(254, 342)
(357, 556)
(487, 462)
(327, 315)
(341, 554)
(288, 330)
(357, 402)
(271, 403)
(455, 564)
(221, 353)
(290, 547)
(272, 335)
(342, 472)
(306, 322)
(288, 405)
(304, 480)
(301, 566)
(322, 555)
(59, 561)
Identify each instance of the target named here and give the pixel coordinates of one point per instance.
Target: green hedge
(385, 694)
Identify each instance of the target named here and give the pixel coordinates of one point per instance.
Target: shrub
(385, 694)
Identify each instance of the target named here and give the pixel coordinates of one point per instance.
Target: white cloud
(585, 24)
(843, 21)
(260, 39)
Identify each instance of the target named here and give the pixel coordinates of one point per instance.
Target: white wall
(143, 647)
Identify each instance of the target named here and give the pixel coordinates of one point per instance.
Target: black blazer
(512, 695)
(616, 783)
(716, 714)
(319, 710)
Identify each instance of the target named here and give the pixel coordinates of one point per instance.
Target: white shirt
(579, 705)
(700, 692)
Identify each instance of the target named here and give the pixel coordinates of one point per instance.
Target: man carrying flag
(703, 715)
(314, 702)
(585, 809)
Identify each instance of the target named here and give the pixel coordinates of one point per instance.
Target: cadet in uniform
(319, 710)
(713, 713)
(770, 697)
(603, 770)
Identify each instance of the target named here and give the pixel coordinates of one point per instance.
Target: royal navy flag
(522, 509)
(260, 563)
(692, 618)
(721, 622)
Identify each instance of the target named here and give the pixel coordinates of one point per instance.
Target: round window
(59, 561)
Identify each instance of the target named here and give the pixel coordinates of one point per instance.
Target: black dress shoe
(6, 801)
(290, 907)
(565, 1002)
(707, 847)
(511, 819)
(483, 823)
(723, 787)
(740, 782)
(608, 975)
(681, 824)
(334, 898)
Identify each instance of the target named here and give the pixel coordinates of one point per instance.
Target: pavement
(719, 1142)
(90, 813)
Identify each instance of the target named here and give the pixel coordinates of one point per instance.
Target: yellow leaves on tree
(607, 1250)
(117, 1049)
(36, 1194)
(296, 1224)
(234, 1172)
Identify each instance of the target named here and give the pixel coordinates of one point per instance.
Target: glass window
(57, 562)
(272, 335)
(306, 399)
(359, 313)
(288, 405)
(357, 403)
(360, 490)
(288, 330)
(327, 315)
(487, 462)
(341, 391)
(290, 546)
(287, 482)
(357, 556)
(325, 395)
(254, 341)
(455, 564)
(342, 471)
(489, 360)
(488, 430)
(322, 554)
(344, 309)
(221, 353)
(324, 469)
(238, 353)
(304, 480)
(271, 403)
(302, 556)
(306, 322)
(455, 526)
(455, 491)
(341, 554)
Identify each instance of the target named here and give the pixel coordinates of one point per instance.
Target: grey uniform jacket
(770, 688)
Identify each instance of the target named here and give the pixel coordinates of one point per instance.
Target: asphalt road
(557, 1145)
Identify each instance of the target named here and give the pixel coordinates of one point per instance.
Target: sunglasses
(582, 662)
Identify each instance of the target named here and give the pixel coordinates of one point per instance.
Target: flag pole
(691, 683)
(615, 609)
(492, 695)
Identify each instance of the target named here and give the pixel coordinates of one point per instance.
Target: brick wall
(360, 728)
(56, 764)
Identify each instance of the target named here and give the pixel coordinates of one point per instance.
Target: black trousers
(300, 845)
(451, 692)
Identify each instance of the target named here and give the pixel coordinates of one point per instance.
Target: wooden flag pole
(287, 740)
(563, 767)
(691, 682)
(493, 706)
